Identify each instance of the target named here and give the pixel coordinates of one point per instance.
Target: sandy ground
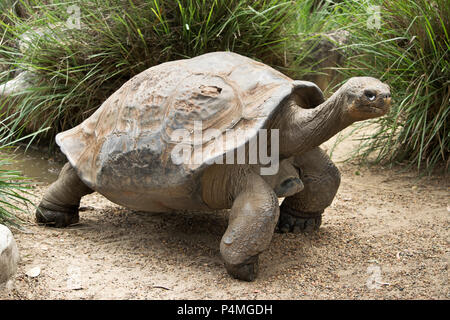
(384, 237)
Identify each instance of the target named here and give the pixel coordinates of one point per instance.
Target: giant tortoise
(135, 149)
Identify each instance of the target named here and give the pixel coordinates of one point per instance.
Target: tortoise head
(365, 98)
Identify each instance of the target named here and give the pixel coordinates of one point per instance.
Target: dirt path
(384, 237)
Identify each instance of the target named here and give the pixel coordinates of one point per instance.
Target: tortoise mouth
(384, 106)
(376, 109)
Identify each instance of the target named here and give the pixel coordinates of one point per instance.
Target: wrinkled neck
(327, 120)
(309, 128)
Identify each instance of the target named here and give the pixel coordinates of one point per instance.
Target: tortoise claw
(246, 271)
(297, 222)
(58, 219)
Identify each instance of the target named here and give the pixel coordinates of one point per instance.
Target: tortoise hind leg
(59, 206)
(321, 179)
(252, 221)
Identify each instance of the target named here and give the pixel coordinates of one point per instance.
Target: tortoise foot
(57, 219)
(296, 222)
(245, 271)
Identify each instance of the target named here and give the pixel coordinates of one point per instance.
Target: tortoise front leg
(59, 206)
(321, 179)
(252, 221)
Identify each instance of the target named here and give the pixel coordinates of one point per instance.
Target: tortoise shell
(127, 143)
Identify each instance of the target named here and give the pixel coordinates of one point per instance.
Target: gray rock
(25, 78)
(30, 38)
(326, 55)
(9, 254)
(20, 83)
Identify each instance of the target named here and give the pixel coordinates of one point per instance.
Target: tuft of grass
(411, 52)
(13, 191)
(13, 185)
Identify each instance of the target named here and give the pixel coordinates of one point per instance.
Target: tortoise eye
(370, 95)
